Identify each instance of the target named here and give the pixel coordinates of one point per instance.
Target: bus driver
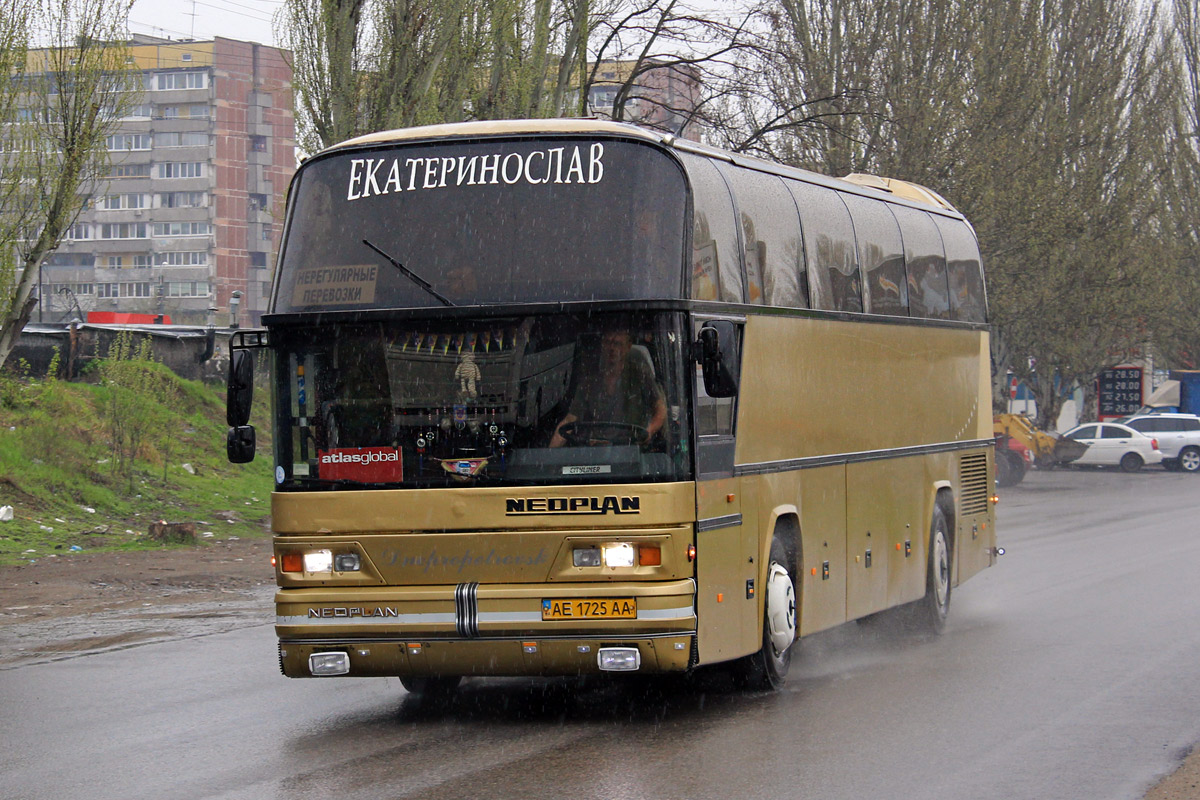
(623, 398)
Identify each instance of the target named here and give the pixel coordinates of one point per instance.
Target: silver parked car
(1178, 437)
(1114, 445)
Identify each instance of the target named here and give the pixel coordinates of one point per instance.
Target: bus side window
(967, 301)
(716, 273)
(771, 228)
(925, 263)
(881, 254)
(714, 415)
(829, 250)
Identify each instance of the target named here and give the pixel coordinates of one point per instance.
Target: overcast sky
(248, 20)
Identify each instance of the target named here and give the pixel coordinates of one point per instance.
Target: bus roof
(857, 183)
(505, 127)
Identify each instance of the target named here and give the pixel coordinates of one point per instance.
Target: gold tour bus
(558, 397)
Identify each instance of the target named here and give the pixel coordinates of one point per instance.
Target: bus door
(726, 542)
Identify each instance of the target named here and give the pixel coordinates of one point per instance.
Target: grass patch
(73, 488)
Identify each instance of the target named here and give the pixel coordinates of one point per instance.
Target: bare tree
(69, 97)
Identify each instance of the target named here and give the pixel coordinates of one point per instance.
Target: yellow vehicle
(559, 396)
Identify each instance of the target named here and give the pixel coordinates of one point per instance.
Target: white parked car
(1178, 437)
(1114, 445)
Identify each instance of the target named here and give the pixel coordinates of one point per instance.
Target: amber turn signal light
(649, 555)
(293, 562)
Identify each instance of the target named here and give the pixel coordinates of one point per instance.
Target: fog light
(620, 554)
(586, 557)
(318, 561)
(619, 659)
(329, 663)
(347, 562)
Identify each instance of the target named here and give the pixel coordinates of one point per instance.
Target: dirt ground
(85, 603)
(82, 603)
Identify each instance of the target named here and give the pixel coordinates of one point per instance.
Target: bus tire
(934, 607)
(767, 669)
(431, 685)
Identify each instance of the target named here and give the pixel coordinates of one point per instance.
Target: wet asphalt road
(1070, 670)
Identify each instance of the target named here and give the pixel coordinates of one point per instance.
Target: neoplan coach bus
(560, 396)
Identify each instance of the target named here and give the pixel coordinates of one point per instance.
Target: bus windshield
(499, 221)
(558, 398)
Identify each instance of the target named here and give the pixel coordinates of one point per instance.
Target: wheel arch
(784, 524)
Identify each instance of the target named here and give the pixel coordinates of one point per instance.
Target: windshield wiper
(408, 273)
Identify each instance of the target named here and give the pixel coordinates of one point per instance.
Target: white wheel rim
(941, 567)
(781, 608)
(1190, 461)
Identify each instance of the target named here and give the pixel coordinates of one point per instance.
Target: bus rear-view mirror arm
(716, 353)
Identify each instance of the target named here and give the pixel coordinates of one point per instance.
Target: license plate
(605, 608)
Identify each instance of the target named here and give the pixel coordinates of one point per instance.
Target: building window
(74, 288)
(140, 111)
(139, 289)
(121, 202)
(185, 258)
(123, 230)
(129, 171)
(198, 112)
(257, 202)
(266, 233)
(79, 230)
(182, 200)
(181, 139)
(180, 80)
(258, 144)
(128, 141)
(181, 169)
(187, 289)
(182, 229)
(107, 290)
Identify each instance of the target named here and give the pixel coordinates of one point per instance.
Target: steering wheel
(601, 432)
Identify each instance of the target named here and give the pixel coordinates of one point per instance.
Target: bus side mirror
(239, 444)
(240, 388)
(717, 355)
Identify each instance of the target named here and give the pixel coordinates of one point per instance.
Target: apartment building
(662, 96)
(188, 219)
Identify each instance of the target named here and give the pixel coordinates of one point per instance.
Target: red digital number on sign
(370, 464)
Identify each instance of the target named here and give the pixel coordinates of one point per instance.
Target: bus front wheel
(768, 668)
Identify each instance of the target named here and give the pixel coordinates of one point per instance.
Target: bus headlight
(586, 557)
(318, 561)
(619, 554)
(347, 562)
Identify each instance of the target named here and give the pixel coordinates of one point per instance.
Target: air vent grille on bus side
(973, 483)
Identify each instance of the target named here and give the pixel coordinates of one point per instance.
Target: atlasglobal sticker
(368, 464)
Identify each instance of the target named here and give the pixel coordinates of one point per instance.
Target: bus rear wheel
(934, 607)
(767, 669)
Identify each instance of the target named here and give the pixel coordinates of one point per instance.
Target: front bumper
(473, 629)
